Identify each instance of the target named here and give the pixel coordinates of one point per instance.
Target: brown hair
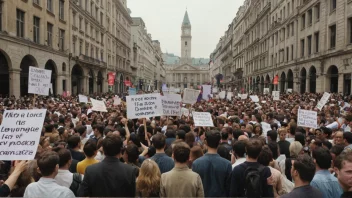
(190, 139)
(148, 181)
(196, 152)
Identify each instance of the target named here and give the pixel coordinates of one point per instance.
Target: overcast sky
(163, 19)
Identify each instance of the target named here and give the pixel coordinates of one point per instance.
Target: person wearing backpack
(251, 179)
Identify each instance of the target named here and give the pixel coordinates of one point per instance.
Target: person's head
(196, 152)
(90, 149)
(239, 148)
(65, 157)
(190, 139)
(258, 129)
(237, 133)
(295, 149)
(224, 152)
(131, 153)
(181, 152)
(159, 141)
(274, 147)
(344, 170)
(338, 138)
(272, 136)
(322, 158)
(112, 145)
(74, 142)
(253, 148)
(98, 130)
(282, 133)
(82, 130)
(293, 127)
(265, 156)
(212, 138)
(299, 137)
(347, 138)
(181, 134)
(303, 169)
(48, 164)
(336, 150)
(148, 181)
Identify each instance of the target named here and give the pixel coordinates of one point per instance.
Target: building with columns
(185, 71)
(305, 44)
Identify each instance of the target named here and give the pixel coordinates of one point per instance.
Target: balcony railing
(92, 61)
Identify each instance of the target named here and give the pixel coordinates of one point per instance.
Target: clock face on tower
(187, 32)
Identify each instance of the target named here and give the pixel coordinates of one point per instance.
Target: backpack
(253, 181)
(77, 180)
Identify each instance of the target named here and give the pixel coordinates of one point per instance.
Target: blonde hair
(295, 148)
(282, 129)
(148, 181)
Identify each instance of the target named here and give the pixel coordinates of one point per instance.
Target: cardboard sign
(20, 134)
(323, 101)
(222, 94)
(254, 98)
(229, 95)
(276, 95)
(190, 96)
(266, 90)
(244, 96)
(117, 100)
(202, 119)
(98, 105)
(83, 99)
(177, 90)
(185, 112)
(307, 118)
(144, 106)
(206, 92)
(171, 104)
(215, 90)
(39, 81)
(289, 90)
(132, 91)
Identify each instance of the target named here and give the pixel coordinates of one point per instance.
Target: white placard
(215, 90)
(117, 100)
(206, 92)
(144, 106)
(177, 90)
(202, 119)
(307, 118)
(185, 112)
(98, 105)
(254, 98)
(244, 96)
(289, 90)
(229, 95)
(171, 104)
(276, 95)
(222, 94)
(323, 101)
(190, 96)
(39, 81)
(266, 90)
(83, 99)
(20, 133)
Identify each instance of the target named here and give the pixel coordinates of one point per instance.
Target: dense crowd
(254, 150)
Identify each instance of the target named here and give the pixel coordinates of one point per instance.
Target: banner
(215, 90)
(144, 106)
(307, 119)
(128, 83)
(20, 134)
(266, 90)
(171, 104)
(111, 78)
(229, 95)
(276, 95)
(289, 90)
(190, 96)
(323, 101)
(222, 94)
(83, 99)
(132, 91)
(39, 81)
(254, 98)
(244, 96)
(276, 80)
(98, 105)
(202, 119)
(206, 92)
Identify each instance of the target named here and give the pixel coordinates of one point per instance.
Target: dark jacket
(109, 178)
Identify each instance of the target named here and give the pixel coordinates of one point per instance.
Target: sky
(163, 19)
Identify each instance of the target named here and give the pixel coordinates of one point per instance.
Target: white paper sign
(39, 81)
(206, 92)
(276, 95)
(20, 134)
(244, 96)
(215, 90)
(117, 100)
(202, 119)
(185, 112)
(144, 106)
(289, 90)
(307, 118)
(83, 99)
(190, 96)
(254, 98)
(266, 90)
(98, 105)
(323, 101)
(222, 95)
(171, 104)
(229, 95)
(177, 90)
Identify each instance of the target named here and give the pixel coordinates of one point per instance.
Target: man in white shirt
(48, 165)
(238, 151)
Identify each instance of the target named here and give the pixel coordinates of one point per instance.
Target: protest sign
(20, 134)
(244, 96)
(222, 94)
(202, 119)
(190, 96)
(266, 90)
(117, 100)
(215, 90)
(206, 92)
(83, 99)
(307, 118)
(323, 101)
(276, 95)
(171, 104)
(98, 105)
(289, 90)
(144, 106)
(229, 95)
(185, 112)
(164, 88)
(39, 81)
(254, 98)
(132, 91)
(177, 90)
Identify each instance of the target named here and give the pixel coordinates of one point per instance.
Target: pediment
(186, 67)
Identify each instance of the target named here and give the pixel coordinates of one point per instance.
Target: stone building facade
(305, 44)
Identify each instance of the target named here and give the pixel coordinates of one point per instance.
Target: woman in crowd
(148, 181)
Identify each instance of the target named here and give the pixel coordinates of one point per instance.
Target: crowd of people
(253, 150)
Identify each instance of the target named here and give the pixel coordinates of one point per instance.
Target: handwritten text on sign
(190, 96)
(202, 119)
(19, 134)
(39, 81)
(171, 104)
(307, 118)
(143, 106)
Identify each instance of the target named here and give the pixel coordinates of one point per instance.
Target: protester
(164, 162)
(344, 170)
(148, 181)
(90, 151)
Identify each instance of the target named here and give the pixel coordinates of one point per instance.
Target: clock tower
(186, 40)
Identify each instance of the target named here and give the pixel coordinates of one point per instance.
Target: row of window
(50, 7)
(310, 16)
